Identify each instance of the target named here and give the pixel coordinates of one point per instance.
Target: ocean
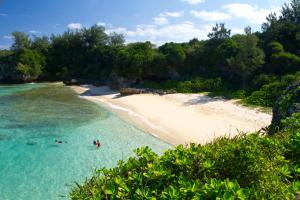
(33, 166)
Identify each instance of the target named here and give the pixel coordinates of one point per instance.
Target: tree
(219, 32)
(21, 41)
(227, 49)
(116, 39)
(283, 62)
(7, 66)
(95, 36)
(248, 30)
(134, 59)
(248, 57)
(30, 64)
(41, 44)
(285, 28)
(175, 55)
(291, 12)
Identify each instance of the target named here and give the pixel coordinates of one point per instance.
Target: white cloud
(160, 21)
(180, 32)
(8, 37)
(3, 14)
(75, 26)
(210, 16)
(194, 2)
(101, 24)
(237, 31)
(253, 14)
(34, 32)
(4, 46)
(173, 14)
(121, 30)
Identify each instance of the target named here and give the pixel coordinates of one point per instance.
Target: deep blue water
(33, 116)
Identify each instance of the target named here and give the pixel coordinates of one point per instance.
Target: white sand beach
(179, 118)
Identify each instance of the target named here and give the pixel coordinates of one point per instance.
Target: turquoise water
(33, 116)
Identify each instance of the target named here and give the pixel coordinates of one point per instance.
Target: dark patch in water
(14, 126)
(4, 137)
(31, 143)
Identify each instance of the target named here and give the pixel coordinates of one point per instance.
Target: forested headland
(254, 66)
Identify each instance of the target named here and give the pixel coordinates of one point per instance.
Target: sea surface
(33, 166)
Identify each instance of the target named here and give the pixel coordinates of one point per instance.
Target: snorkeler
(58, 141)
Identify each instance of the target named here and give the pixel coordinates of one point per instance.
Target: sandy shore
(179, 118)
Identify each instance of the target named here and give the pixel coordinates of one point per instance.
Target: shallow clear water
(33, 116)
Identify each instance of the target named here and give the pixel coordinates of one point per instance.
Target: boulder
(130, 91)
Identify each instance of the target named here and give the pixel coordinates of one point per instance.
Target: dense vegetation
(253, 66)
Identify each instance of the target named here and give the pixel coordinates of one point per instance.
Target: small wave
(129, 112)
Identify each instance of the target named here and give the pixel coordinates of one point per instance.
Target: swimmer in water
(58, 141)
(98, 144)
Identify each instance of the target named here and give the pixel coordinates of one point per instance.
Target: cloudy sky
(158, 21)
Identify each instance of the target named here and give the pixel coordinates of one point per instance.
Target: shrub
(267, 95)
(263, 79)
(245, 167)
(238, 94)
(286, 105)
(200, 85)
(152, 84)
(169, 84)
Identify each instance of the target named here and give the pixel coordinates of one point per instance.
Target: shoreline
(179, 118)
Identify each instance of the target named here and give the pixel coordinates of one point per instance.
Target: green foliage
(21, 41)
(263, 79)
(248, 58)
(174, 53)
(292, 123)
(151, 84)
(245, 167)
(283, 62)
(30, 64)
(219, 32)
(200, 85)
(267, 95)
(284, 28)
(274, 48)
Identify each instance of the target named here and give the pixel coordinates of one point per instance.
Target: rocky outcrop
(286, 105)
(75, 81)
(131, 91)
(116, 82)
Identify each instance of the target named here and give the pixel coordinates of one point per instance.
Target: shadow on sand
(202, 99)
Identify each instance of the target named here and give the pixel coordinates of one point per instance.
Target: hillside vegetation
(254, 66)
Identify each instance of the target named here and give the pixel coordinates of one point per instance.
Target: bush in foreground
(245, 167)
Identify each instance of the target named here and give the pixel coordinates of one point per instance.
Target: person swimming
(98, 144)
(58, 141)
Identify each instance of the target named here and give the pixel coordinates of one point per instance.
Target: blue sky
(139, 20)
